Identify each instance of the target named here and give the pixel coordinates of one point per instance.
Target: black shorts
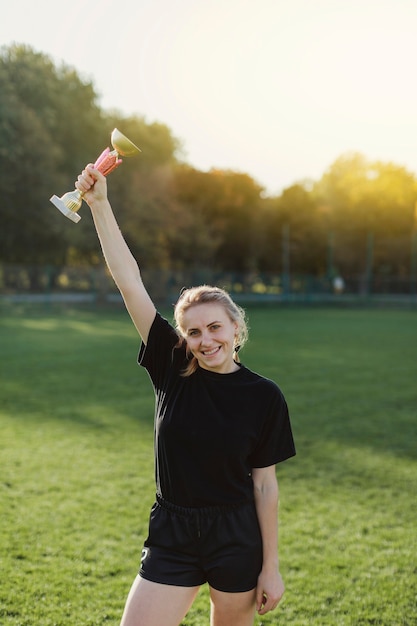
(221, 545)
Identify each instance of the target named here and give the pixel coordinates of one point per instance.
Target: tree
(362, 199)
(294, 216)
(224, 205)
(47, 118)
(50, 127)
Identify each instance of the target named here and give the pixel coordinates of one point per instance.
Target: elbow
(128, 282)
(266, 490)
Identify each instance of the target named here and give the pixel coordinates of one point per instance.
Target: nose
(205, 338)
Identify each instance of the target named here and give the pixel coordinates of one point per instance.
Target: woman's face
(210, 336)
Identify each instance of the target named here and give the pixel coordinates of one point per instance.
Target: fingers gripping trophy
(70, 203)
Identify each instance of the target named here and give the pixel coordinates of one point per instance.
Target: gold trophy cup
(70, 202)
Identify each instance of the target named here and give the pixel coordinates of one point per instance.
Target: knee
(232, 608)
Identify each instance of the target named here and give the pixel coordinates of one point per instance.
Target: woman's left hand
(269, 591)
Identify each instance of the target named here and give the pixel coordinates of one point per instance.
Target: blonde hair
(205, 294)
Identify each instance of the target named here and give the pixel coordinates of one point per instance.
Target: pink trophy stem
(107, 162)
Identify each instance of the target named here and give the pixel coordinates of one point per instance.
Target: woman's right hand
(93, 185)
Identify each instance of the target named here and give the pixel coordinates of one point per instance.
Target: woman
(219, 431)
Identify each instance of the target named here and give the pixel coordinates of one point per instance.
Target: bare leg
(152, 604)
(232, 608)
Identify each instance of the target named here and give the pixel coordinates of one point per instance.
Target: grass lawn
(76, 481)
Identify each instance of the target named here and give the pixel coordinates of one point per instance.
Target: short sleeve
(276, 442)
(156, 356)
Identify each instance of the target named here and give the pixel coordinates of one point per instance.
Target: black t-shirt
(211, 429)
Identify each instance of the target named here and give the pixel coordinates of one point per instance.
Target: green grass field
(77, 465)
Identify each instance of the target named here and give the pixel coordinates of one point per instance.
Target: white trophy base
(71, 215)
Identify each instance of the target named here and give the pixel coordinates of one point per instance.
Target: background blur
(279, 160)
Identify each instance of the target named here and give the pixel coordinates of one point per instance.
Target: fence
(94, 285)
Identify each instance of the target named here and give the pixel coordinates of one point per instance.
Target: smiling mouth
(211, 352)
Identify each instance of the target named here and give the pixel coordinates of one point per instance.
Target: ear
(236, 338)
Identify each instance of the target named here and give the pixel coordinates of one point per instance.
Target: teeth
(210, 352)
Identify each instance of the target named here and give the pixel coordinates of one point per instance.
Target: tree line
(175, 216)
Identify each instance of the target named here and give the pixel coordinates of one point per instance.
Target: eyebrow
(208, 325)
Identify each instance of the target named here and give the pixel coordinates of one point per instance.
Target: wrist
(98, 205)
(270, 563)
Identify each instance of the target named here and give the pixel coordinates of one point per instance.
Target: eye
(215, 326)
(192, 333)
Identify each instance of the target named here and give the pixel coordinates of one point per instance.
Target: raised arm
(123, 267)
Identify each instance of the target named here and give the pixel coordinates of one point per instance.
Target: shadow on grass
(80, 368)
(348, 376)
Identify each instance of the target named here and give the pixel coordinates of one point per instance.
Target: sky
(277, 89)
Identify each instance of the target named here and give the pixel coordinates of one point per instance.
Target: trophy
(70, 202)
